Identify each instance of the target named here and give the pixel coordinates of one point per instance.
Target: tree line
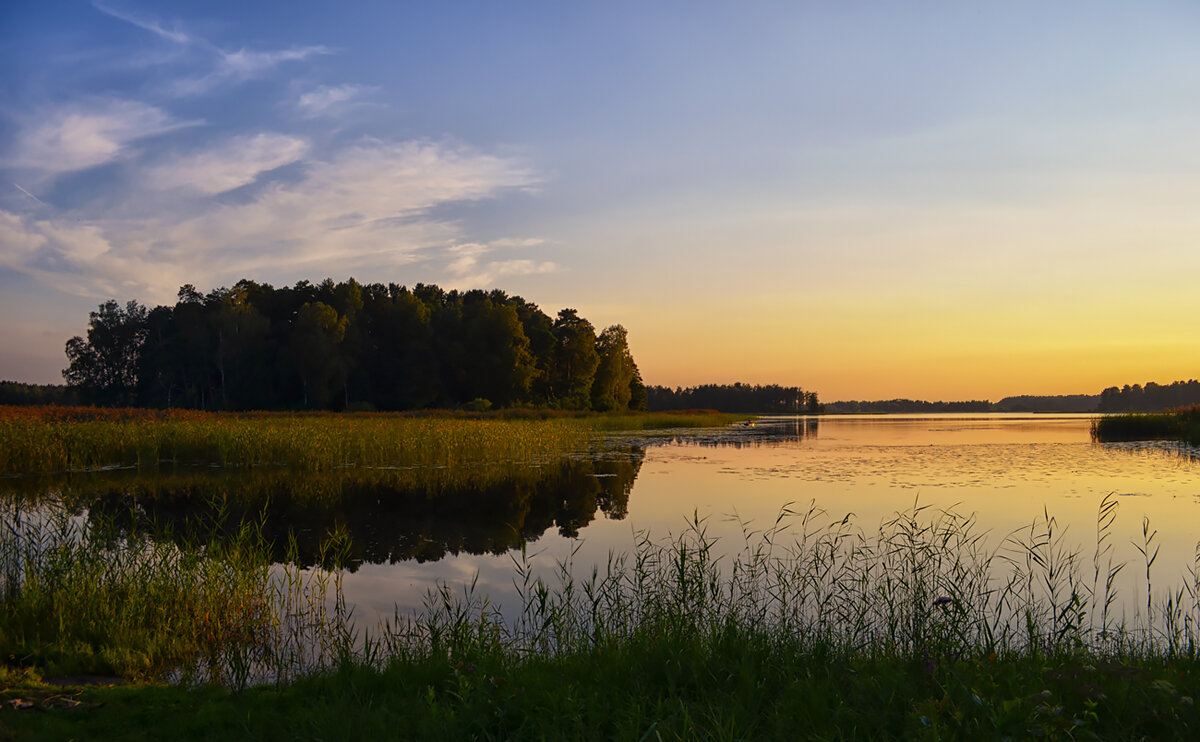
(739, 397)
(20, 393)
(1049, 403)
(906, 405)
(350, 346)
(1150, 398)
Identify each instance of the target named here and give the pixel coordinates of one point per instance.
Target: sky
(871, 200)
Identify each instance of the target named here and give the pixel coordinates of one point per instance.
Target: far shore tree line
(349, 346)
(738, 397)
(201, 338)
(1149, 398)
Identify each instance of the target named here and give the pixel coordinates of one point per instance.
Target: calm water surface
(1006, 469)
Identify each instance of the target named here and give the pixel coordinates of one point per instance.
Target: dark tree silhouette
(349, 346)
(104, 368)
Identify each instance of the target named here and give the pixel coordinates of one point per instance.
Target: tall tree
(316, 352)
(575, 361)
(497, 359)
(612, 386)
(242, 349)
(104, 368)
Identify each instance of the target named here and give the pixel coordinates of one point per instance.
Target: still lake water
(1007, 469)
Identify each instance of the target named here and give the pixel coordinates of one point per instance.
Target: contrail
(27, 193)
(178, 37)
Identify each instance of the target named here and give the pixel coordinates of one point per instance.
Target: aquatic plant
(1178, 425)
(924, 583)
(41, 440)
(304, 442)
(77, 601)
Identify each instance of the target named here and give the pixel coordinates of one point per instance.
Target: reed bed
(78, 600)
(1176, 425)
(50, 439)
(303, 442)
(921, 628)
(918, 629)
(925, 584)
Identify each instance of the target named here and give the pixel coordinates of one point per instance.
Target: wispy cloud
(469, 269)
(231, 165)
(367, 208)
(85, 134)
(18, 243)
(248, 63)
(324, 99)
(175, 35)
(225, 65)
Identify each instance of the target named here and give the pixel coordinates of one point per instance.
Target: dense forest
(20, 393)
(738, 397)
(350, 346)
(1049, 403)
(1150, 398)
(906, 405)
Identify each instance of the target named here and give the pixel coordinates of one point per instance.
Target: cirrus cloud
(367, 207)
(324, 100)
(85, 134)
(469, 269)
(231, 165)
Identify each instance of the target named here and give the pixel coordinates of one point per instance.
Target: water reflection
(411, 528)
(767, 431)
(386, 517)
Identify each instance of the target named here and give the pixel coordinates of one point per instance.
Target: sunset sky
(872, 200)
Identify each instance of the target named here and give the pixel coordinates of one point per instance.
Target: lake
(1007, 469)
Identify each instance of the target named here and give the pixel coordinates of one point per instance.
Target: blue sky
(869, 199)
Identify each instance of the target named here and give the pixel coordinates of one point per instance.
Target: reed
(77, 599)
(48, 440)
(920, 628)
(1177, 425)
(303, 442)
(924, 583)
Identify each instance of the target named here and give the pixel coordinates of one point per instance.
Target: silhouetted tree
(575, 361)
(316, 352)
(612, 386)
(104, 368)
(345, 345)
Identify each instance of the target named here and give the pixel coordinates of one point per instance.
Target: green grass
(78, 600)
(733, 685)
(47, 440)
(664, 420)
(922, 628)
(1179, 425)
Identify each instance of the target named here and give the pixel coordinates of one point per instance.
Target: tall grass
(78, 601)
(304, 442)
(926, 583)
(921, 628)
(39, 440)
(1177, 425)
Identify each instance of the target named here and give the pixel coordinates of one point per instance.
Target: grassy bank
(920, 628)
(734, 686)
(144, 607)
(50, 439)
(1178, 425)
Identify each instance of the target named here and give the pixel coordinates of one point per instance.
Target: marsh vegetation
(1178, 425)
(921, 627)
(926, 623)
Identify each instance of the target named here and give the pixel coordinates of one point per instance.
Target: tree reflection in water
(388, 515)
